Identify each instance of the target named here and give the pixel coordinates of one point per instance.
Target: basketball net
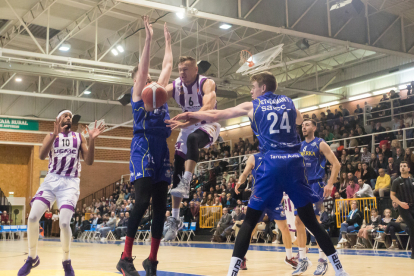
(246, 56)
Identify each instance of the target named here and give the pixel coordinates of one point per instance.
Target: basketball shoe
(175, 226)
(183, 188)
(322, 267)
(243, 265)
(126, 267)
(67, 267)
(29, 264)
(150, 267)
(292, 262)
(303, 265)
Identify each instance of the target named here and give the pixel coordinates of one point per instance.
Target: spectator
(358, 110)
(48, 223)
(345, 111)
(358, 171)
(398, 157)
(356, 157)
(392, 169)
(353, 222)
(382, 162)
(369, 129)
(225, 221)
(195, 209)
(374, 163)
(366, 155)
(386, 152)
(352, 177)
(409, 158)
(121, 228)
(365, 190)
(365, 230)
(343, 185)
(351, 189)
(108, 226)
(368, 174)
(230, 202)
(248, 188)
(383, 184)
(383, 225)
(55, 216)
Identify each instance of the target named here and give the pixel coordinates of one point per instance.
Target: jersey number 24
(284, 124)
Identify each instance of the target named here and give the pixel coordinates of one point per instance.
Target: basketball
(151, 93)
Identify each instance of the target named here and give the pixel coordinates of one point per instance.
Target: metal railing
(210, 216)
(104, 192)
(343, 206)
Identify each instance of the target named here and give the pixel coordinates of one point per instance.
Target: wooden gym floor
(195, 258)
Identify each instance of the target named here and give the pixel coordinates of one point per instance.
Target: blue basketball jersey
(274, 122)
(315, 161)
(150, 122)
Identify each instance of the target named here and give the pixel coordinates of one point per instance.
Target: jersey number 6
(283, 125)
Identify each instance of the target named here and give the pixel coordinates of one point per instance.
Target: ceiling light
(232, 127)
(403, 86)
(222, 129)
(115, 52)
(18, 79)
(225, 26)
(181, 14)
(64, 47)
(306, 109)
(245, 124)
(329, 104)
(360, 97)
(384, 91)
(11, 193)
(87, 92)
(120, 48)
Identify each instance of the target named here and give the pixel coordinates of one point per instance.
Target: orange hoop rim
(244, 57)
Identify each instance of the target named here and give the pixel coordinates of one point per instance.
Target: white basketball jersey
(64, 156)
(189, 98)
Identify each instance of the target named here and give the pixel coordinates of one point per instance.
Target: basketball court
(192, 259)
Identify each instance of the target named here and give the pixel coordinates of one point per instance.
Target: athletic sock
(321, 254)
(292, 236)
(175, 213)
(155, 244)
(288, 253)
(336, 263)
(129, 242)
(234, 267)
(188, 176)
(302, 252)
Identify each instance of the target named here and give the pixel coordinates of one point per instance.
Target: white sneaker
(339, 246)
(343, 241)
(123, 238)
(182, 190)
(303, 265)
(175, 226)
(342, 273)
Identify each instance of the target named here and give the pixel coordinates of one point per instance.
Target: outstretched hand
(148, 27)
(58, 126)
(167, 34)
(96, 131)
(173, 124)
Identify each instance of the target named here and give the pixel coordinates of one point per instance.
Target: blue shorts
(318, 188)
(276, 214)
(150, 157)
(280, 171)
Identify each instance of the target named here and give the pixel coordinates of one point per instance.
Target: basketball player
(277, 214)
(273, 119)
(192, 92)
(315, 151)
(150, 163)
(63, 148)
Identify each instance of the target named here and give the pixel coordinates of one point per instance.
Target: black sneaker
(126, 267)
(150, 267)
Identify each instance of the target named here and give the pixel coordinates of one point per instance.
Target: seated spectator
(358, 171)
(398, 156)
(352, 176)
(382, 162)
(195, 198)
(237, 220)
(368, 175)
(344, 111)
(166, 222)
(230, 202)
(195, 210)
(385, 221)
(108, 225)
(365, 190)
(225, 221)
(351, 189)
(366, 155)
(366, 229)
(409, 158)
(121, 228)
(353, 222)
(218, 189)
(5, 218)
(343, 185)
(374, 163)
(392, 169)
(383, 184)
(248, 188)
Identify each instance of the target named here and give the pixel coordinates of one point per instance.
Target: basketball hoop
(246, 56)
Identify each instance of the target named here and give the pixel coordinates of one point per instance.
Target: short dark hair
(404, 162)
(265, 78)
(187, 58)
(310, 120)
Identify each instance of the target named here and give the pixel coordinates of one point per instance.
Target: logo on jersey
(304, 148)
(139, 174)
(73, 151)
(313, 144)
(308, 153)
(167, 173)
(272, 107)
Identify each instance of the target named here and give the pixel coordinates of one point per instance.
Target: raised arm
(50, 138)
(336, 167)
(143, 66)
(299, 117)
(88, 154)
(168, 59)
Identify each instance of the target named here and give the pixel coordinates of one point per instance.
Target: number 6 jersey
(64, 155)
(274, 122)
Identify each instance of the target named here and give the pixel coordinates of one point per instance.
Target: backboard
(262, 60)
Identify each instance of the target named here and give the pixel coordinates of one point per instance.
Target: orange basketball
(154, 94)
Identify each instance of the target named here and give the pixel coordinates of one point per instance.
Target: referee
(402, 192)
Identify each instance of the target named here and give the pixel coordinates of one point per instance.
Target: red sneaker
(243, 264)
(292, 262)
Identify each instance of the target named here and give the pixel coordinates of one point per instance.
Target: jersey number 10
(283, 125)
(65, 142)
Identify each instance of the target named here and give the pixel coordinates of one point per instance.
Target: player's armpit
(170, 90)
(299, 117)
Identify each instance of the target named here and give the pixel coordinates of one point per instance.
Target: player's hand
(173, 124)
(328, 189)
(236, 189)
(404, 205)
(148, 27)
(167, 34)
(96, 131)
(58, 126)
(182, 117)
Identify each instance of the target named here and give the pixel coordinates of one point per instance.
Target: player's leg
(287, 241)
(322, 260)
(38, 209)
(179, 169)
(159, 204)
(142, 201)
(243, 240)
(65, 239)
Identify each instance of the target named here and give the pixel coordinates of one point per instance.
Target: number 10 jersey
(64, 156)
(274, 122)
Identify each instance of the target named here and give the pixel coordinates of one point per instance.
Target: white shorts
(290, 212)
(213, 131)
(63, 189)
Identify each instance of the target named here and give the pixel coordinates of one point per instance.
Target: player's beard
(69, 124)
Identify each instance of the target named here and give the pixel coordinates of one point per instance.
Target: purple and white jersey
(64, 156)
(189, 98)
